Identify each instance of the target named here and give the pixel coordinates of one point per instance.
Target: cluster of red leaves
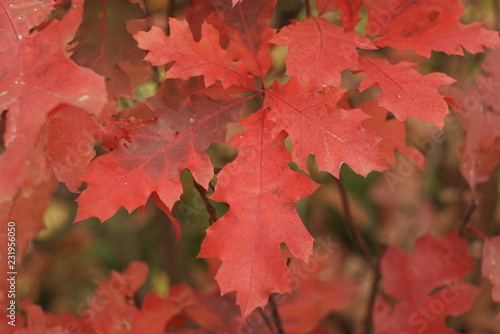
(61, 78)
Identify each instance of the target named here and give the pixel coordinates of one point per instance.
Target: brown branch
(353, 228)
(308, 8)
(210, 209)
(367, 323)
(276, 316)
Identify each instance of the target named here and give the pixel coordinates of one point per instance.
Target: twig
(276, 316)
(353, 228)
(266, 320)
(308, 8)
(206, 201)
(468, 215)
(367, 323)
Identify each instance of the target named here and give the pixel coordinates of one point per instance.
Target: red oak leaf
(350, 10)
(320, 50)
(479, 113)
(393, 133)
(318, 126)
(405, 92)
(152, 156)
(325, 6)
(426, 285)
(36, 77)
(112, 308)
(29, 14)
(102, 41)
(245, 26)
(426, 25)
(205, 58)
(72, 134)
(317, 289)
(261, 216)
(490, 265)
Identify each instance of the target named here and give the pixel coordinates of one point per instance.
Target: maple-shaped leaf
(151, 157)
(426, 285)
(426, 25)
(246, 28)
(490, 265)
(325, 6)
(102, 41)
(72, 134)
(28, 14)
(349, 8)
(116, 313)
(317, 125)
(205, 57)
(405, 92)
(393, 133)
(36, 77)
(155, 313)
(320, 50)
(320, 288)
(261, 216)
(479, 113)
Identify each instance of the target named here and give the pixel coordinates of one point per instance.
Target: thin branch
(266, 320)
(353, 228)
(308, 8)
(468, 215)
(206, 201)
(276, 316)
(367, 323)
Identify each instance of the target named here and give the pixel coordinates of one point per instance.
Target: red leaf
(405, 92)
(36, 77)
(350, 10)
(151, 158)
(155, 313)
(245, 26)
(29, 14)
(426, 285)
(426, 25)
(205, 58)
(480, 117)
(393, 134)
(317, 125)
(490, 265)
(319, 49)
(261, 216)
(112, 308)
(71, 137)
(102, 41)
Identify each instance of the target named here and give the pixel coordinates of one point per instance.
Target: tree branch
(353, 228)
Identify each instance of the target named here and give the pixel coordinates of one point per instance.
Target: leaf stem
(308, 8)
(353, 228)
(367, 323)
(276, 316)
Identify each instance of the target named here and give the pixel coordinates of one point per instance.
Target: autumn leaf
(36, 77)
(405, 92)
(393, 133)
(318, 126)
(261, 216)
(72, 134)
(320, 50)
(151, 158)
(480, 119)
(205, 57)
(245, 26)
(426, 25)
(102, 42)
(426, 284)
(489, 266)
